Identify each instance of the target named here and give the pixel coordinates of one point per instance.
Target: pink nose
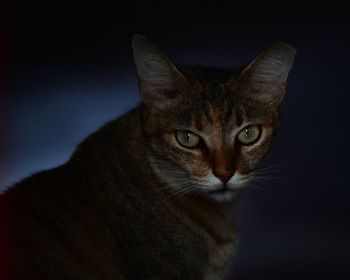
(223, 175)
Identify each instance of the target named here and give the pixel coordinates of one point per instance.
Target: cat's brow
(186, 127)
(215, 114)
(198, 124)
(207, 113)
(239, 114)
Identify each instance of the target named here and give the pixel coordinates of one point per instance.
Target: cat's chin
(223, 194)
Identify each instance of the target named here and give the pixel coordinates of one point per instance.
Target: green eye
(187, 139)
(249, 134)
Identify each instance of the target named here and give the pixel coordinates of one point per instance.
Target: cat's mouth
(222, 190)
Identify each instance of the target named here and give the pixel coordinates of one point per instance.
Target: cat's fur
(131, 203)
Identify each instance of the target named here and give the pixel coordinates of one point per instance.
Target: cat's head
(207, 128)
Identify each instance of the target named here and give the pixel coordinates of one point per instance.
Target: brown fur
(114, 210)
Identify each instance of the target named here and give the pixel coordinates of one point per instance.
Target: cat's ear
(266, 77)
(159, 80)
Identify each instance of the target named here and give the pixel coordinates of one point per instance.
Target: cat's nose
(223, 175)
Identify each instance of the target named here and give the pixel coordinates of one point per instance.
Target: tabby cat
(152, 194)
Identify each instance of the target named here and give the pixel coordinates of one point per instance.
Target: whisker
(173, 171)
(194, 191)
(261, 190)
(268, 178)
(169, 186)
(185, 193)
(278, 167)
(178, 193)
(267, 171)
(277, 164)
(180, 180)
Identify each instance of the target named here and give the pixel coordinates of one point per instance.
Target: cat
(152, 194)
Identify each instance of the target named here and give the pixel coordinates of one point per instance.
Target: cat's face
(208, 128)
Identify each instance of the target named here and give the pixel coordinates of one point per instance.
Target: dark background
(69, 69)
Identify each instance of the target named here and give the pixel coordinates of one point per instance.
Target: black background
(68, 69)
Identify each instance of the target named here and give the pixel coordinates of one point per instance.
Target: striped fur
(131, 203)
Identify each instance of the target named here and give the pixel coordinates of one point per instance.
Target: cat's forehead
(218, 111)
(212, 105)
(206, 116)
(223, 117)
(208, 75)
(210, 84)
(214, 94)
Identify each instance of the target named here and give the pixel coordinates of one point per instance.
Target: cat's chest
(219, 258)
(218, 234)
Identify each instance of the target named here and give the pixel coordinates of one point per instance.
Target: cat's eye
(187, 139)
(249, 134)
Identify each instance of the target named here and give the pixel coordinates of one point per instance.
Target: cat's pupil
(188, 137)
(247, 131)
